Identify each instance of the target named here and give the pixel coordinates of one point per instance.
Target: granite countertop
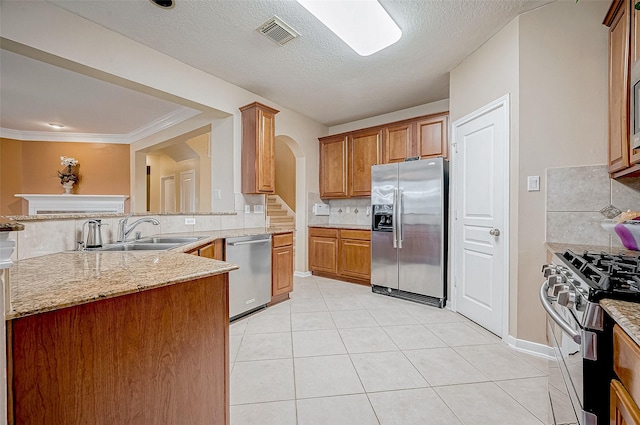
(343, 226)
(7, 225)
(79, 215)
(579, 249)
(626, 314)
(56, 281)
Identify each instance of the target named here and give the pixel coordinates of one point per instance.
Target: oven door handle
(559, 320)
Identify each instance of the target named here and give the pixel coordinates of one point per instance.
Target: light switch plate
(247, 209)
(189, 221)
(533, 183)
(258, 209)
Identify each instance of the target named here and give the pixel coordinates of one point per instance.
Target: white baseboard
(529, 347)
(302, 274)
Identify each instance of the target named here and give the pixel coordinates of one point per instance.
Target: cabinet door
(355, 258)
(333, 167)
(258, 137)
(397, 143)
(323, 254)
(432, 136)
(623, 410)
(281, 270)
(214, 250)
(619, 89)
(364, 151)
(266, 152)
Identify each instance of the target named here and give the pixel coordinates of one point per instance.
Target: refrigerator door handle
(393, 217)
(399, 214)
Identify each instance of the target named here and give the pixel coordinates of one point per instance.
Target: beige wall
(563, 121)
(285, 174)
(11, 172)
(488, 74)
(553, 63)
(103, 168)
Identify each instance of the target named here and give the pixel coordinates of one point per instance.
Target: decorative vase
(68, 187)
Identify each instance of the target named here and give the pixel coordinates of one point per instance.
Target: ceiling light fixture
(56, 125)
(363, 24)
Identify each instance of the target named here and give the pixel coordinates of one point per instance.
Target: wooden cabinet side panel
(355, 258)
(333, 168)
(364, 151)
(397, 143)
(249, 153)
(626, 361)
(323, 254)
(619, 90)
(432, 136)
(155, 357)
(282, 270)
(623, 410)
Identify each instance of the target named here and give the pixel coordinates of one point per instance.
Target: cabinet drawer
(626, 361)
(282, 240)
(363, 235)
(623, 410)
(323, 232)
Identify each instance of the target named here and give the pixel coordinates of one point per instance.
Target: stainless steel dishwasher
(249, 286)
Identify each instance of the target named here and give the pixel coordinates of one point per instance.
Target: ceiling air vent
(277, 31)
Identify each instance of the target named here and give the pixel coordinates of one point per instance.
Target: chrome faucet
(125, 229)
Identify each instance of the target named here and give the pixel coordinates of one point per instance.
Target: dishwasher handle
(557, 318)
(248, 242)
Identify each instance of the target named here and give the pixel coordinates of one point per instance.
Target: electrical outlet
(533, 183)
(247, 209)
(258, 209)
(189, 221)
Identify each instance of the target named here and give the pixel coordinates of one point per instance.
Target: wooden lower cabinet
(323, 250)
(343, 254)
(281, 267)
(214, 250)
(625, 391)
(623, 410)
(154, 357)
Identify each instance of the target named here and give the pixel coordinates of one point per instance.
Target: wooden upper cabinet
(432, 136)
(364, 151)
(634, 154)
(397, 143)
(333, 167)
(258, 149)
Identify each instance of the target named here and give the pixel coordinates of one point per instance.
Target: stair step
(276, 213)
(285, 219)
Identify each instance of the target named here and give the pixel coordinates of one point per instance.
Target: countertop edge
(626, 315)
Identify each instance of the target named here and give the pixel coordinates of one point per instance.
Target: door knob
(494, 232)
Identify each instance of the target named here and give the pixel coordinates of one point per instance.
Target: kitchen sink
(136, 246)
(168, 240)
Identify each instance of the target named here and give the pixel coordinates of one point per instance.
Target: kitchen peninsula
(118, 337)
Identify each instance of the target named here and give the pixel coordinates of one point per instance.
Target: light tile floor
(337, 354)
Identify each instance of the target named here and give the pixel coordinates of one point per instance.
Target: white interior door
(480, 143)
(188, 191)
(168, 194)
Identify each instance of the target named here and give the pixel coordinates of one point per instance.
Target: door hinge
(455, 147)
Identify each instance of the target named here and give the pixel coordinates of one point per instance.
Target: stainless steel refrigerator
(409, 204)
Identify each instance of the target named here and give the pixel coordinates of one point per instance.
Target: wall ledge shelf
(73, 204)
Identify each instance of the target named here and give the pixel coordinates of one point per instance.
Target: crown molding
(148, 129)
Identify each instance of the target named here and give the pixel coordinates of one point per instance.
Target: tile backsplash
(342, 211)
(575, 196)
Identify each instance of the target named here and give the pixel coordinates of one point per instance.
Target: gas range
(579, 332)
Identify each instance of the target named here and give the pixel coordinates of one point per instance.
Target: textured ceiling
(315, 74)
